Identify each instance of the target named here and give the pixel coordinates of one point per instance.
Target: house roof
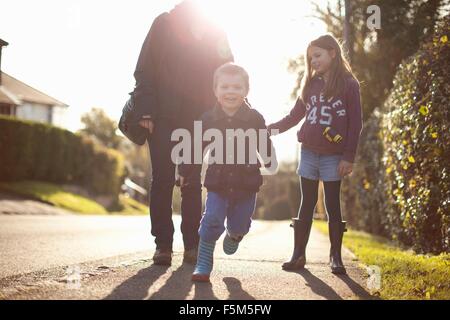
(19, 92)
(7, 97)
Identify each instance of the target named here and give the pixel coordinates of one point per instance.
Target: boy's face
(230, 91)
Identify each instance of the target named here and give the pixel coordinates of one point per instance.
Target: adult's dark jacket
(234, 179)
(174, 72)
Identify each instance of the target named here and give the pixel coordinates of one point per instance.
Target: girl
(330, 100)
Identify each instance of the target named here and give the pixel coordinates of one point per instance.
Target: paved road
(111, 256)
(33, 243)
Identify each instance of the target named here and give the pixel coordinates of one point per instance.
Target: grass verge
(130, 207)
(56, 196)
(404, 274)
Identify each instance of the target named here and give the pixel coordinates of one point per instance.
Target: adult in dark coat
(174, 87)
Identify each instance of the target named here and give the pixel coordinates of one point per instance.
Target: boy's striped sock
(204, 261)
(230, 245)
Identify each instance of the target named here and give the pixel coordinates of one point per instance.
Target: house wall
(34, 112)
(59, 116)
(41, 113)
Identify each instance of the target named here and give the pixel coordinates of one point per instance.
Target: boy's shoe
(204, 261)
(230, 245)
(199, 277)
(162, 257)
(190, 256)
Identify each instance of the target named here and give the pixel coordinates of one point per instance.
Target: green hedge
(364, 193)
(401, 185)
(35, 151)
(416, 133)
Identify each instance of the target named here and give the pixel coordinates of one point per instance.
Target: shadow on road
(318, 286)
(356, 288)
(204, 291)
(234, 287)
(178, 286)
(136, 287)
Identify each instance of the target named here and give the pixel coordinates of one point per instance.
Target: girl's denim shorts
(315, 166)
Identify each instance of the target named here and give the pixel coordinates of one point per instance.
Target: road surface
(104, 257)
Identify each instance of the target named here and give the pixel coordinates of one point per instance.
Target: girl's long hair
(339, 69)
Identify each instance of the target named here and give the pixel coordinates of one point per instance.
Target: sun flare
(264, 36)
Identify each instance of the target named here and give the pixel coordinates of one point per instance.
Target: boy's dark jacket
(233, 179)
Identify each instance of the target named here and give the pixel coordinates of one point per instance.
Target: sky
(84, 52)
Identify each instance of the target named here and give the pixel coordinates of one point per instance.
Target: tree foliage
(99, 126)
(401, 185)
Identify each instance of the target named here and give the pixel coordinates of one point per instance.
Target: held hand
(269, 130)
(345, 168)
(148, 124)
(181, 179)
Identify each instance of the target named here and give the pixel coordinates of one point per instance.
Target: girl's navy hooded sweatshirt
(342, 113)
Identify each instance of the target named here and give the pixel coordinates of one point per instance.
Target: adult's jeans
(162, 184)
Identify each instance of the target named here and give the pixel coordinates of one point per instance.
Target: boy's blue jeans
(217, 208)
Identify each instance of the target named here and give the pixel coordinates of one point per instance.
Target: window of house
(6, 109)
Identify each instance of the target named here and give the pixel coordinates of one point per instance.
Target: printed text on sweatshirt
(342, 113)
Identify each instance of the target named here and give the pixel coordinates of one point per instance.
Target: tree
(102, 129)
(138, 163)
(98, 125)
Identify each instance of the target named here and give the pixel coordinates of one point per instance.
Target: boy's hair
(340, 68)
(231, 69)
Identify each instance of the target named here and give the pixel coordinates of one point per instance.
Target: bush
(279, 196)
(400, 187)
(363, 195)
(416, 135)
(35, 151)
(280, 209)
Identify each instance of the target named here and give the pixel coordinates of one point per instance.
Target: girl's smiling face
(230, 91)
(321, 59)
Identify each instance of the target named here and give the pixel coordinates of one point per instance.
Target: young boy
(234, 178)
